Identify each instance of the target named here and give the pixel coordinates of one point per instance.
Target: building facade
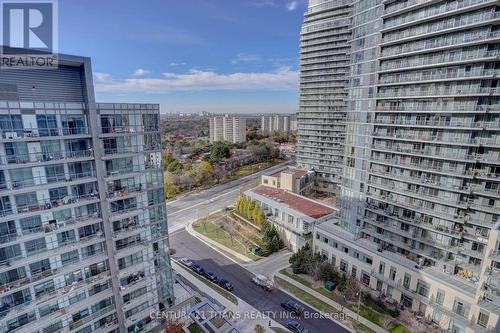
(293, 215)
(420, 193)
(277, 123)
(83, 229)
(291, 179)
(324, 68)
(228, 128)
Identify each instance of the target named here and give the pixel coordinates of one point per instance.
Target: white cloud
(262, 3)
(102, 77)
(141, 72)
(245, 57)
(292, 5)
(175, 64)
(282, 79)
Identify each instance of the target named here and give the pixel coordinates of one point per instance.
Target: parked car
(263, 282)
(293, 307)
(186, 262)
(198, 269)
(212, 277)
(295, 327)
(226, 284)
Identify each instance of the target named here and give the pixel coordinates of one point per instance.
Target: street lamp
(359, 303)
(344, 302)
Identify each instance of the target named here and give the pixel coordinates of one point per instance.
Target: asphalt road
(189, 208)
(189, 246)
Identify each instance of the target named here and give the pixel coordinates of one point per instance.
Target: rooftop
(297, 173)
(294, 201)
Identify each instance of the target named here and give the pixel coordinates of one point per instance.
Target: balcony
(22, 159)
(37, 134)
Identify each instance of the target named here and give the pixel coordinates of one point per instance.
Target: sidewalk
(332, 303)
(244, 325)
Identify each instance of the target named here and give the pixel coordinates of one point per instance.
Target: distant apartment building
(324, 67)
(278, 123)
(83, 223)
(228, 128)
(291, 179)
(293, 215)
(419, 220)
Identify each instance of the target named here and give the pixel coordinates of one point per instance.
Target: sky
(238, 56)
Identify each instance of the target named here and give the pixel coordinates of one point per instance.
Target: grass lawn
(370, 314)
(296, 278)
(253, 168)
(194, 328)
(222, 237)
(212, 285)
(398, 328)
(332, 295)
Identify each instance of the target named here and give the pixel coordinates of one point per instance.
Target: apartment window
(11, 123)
(35, 246)
(66, 237)
(55, 173)
(21, 177)
(354, 271)
(12, 275)
(44, 288)
(317, 236)
(423, 288)
(77, 298)
(47, 125)
(40, 266)
(368, 260)
(440, 297)
(7, 229)
(73, 124)
(334, 260)
(346, 249)
(389, 290)
(51, 150)
(69, 257)
(53, 328)
(17, 152)
(483, 319)
(365, 278)
(102, 304)
(343, 266)
(381, 268)
(436, 317)
(407, 281)
(392, 274)
(459, 308)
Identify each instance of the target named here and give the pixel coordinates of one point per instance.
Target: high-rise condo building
(324, 67)
(228, 128)
(83, 229)
(420, 209)
(277, 123)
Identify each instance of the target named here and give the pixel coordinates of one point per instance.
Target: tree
(351, 288)
(260, 329)
(342, 287)
(169, 188)
(220, 151)
(304, 260)
(204, 173)
(175, 166)
(329, 273)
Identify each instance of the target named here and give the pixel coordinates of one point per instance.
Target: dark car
(295, 327)
(292, 307)
(198, 269)
(226, 284)
(212, 277)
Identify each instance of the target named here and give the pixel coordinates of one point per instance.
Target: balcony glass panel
(47, 125)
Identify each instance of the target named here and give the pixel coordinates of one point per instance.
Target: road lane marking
(203, 202)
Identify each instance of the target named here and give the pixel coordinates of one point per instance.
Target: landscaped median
(325, 304)
(239, 238)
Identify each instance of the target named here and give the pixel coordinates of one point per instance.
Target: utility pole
(359, 304)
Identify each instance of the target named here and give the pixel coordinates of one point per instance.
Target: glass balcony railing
(27, 133)
(44, 157)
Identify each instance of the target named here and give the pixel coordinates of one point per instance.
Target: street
(188, 209)
(210, 259)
